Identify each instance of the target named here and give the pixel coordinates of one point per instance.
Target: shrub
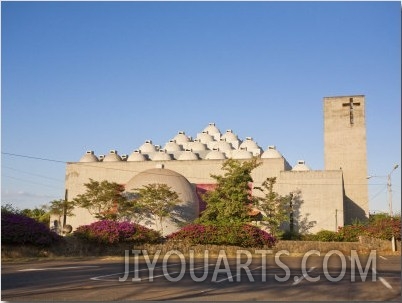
(327, 236)
(238, 235)
(19, 229)
(288, 235)
(351, 233)
(112, 232)
(382, 228)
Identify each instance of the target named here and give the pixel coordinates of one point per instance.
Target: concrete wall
(319, 198)
(197, 172)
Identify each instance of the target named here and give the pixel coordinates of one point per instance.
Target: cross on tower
(351, 107)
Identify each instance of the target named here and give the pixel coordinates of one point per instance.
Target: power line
(31, 157)
(30, 181)
(28, 173)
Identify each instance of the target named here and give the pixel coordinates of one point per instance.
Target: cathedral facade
(322, 199)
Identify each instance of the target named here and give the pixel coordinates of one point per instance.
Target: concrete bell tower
(345, 149)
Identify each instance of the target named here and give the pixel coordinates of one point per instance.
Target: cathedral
(322, 199)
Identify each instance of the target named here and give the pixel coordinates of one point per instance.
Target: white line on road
(383, 258)
(386, 284)
(175, 272)
(56, 268)
(382, 280)
(302, 277)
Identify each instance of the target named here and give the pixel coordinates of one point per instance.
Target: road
(285, 278)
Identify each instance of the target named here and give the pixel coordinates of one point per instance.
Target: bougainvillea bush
(20, 229)
(383, 229)
(112, 232)
(238, 235)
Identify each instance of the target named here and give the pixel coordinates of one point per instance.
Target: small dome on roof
(136, 156)
(161, 155)
(89, 156)
(223, 146)
(204, 137)
(249, 144)
(172, 146)
(124, 157)
(212, 129)
(242, 154)
(147, 147)
(112, 156)
(187, 155)
(229, 136)
(215, 154)
(271, 153)
(196, 145)
(181, 138)
(301, 166)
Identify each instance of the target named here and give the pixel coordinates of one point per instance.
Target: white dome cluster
(209, 144)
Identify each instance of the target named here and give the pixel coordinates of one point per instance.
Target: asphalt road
(283, 279)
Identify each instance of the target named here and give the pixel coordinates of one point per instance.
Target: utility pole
(391, 214)
(389, 187)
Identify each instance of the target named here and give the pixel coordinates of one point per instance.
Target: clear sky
(80, 76)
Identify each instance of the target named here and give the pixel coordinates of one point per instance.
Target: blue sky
(80, 76)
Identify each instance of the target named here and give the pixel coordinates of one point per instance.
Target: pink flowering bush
(20, 229)
(112, 232)
(383, 228)
(238, 235)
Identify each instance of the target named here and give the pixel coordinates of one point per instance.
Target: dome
(223, 146)
(186, 211)
(196, 146)
(187, 155)
(89, 157)
(229, 136)
(161, 155)
(212, 129)
(147, 147)
(242, 154)
(112, 156)
(124, 157)
(172, 146)
(204, 137)
(301, 166)
(249, 144)
(181, 138)
(215, 155)
(271, 153)
(136, 156)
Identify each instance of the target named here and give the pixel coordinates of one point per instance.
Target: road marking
(56, 268)
(386, 284)
(383, 258)
(175, 272)
(100, 278)
(298, 280)
(232, 276)
(382, 280)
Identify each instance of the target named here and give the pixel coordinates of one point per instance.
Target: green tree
(38, 214)
(156, 201)
(275, 208)
(9, 208)
(230, 202)
(104, 200)
(60, 207)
